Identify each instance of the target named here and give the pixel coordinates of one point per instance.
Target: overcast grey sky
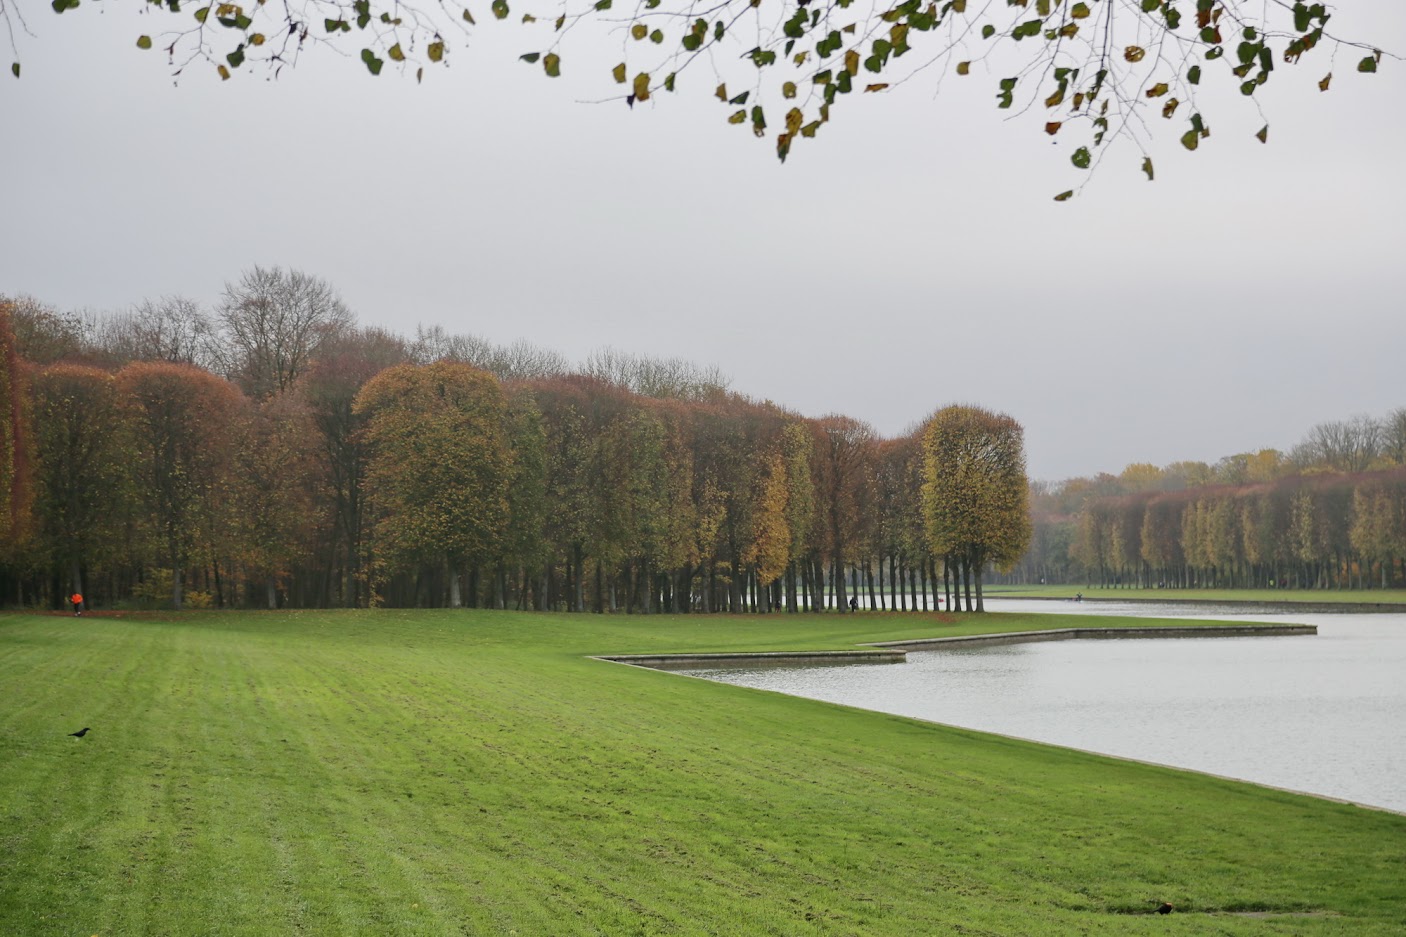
(909, 257)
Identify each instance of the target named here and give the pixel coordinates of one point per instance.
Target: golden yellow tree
(770, 548)
(439, 465)
(975, 491)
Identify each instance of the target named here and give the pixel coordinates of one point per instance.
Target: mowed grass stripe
(472, 772)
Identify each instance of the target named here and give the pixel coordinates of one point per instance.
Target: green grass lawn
(1310, 596)
(440, 772)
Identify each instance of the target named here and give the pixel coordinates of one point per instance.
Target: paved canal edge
(895, 652)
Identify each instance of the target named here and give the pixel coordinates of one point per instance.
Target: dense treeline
(275, 454)
(1304, 532)
(1327, 514)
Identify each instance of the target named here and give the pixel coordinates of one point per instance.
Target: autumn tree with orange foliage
(12, 458)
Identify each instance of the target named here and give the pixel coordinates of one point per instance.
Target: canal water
(1324, 714)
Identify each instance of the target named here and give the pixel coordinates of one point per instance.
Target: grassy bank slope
(471, 773)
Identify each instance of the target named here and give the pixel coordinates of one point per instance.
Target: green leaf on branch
(395, 53)
(1007, 95)
(529, 58)
(1147, 167)
(551, 64)
(1191, 139)
(1064, 196)
(373, 64)
(618, 73)
(1263, 135)
(500, 9)
(236, 58)
(1028, 28)
(15, 69)
(435, 51)
(1369, 64)
(1081, 158)
(143, 42)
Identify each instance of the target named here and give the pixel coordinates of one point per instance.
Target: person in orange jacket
(77, 600)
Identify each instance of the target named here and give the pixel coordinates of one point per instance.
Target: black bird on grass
(80, 733)
(1164, 908)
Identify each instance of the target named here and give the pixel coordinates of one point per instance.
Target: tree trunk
(893, 582)
(456, 598)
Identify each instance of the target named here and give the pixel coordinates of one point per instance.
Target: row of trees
(330, 465)
(1308, 532)
(1084, 527)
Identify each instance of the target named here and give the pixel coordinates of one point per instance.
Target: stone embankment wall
(1069, 634)
(895, 652)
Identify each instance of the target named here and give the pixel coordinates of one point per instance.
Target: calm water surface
(1325, 714)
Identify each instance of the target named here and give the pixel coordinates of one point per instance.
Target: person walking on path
(77, 600)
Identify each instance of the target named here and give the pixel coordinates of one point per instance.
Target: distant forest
(1328, 514)
(271, 452)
